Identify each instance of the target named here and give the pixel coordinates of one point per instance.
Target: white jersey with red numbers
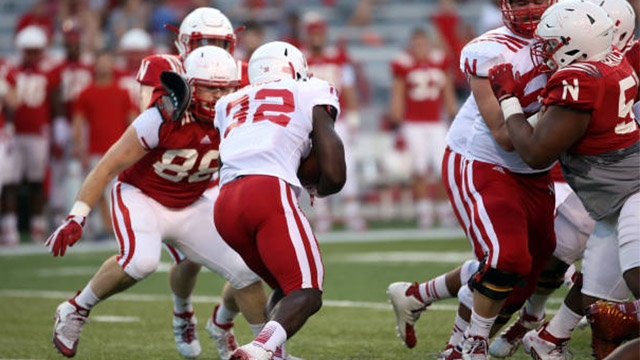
(425, 79)
(182, 156)
(602, 166)
(333, 66)
(265, 129)
(495, 47)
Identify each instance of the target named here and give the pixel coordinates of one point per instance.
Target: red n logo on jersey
(470, 69)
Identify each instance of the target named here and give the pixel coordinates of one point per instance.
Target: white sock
(479, 326)
(435, 289)
(458, 330)
(182, 305)
(86, 299)
(535, 305)
(469, 268)
(256, 328)
(224, 315)
(563, 322)
(272, 336)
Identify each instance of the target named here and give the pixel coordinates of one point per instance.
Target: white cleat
(251, 352)
(223, 337)
(506, 344)
(69, 320)
(543, 346)
(185, 335)
(407, 308)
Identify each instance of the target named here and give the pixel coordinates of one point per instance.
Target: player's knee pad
(467, 270)
(553, 278)
(141, 266)
(493, 283)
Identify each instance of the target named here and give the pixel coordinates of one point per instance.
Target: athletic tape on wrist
(80, 208)
(510, 106)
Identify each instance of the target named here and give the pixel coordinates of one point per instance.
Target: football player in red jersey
(332, 64)
(421, 92)
(587, 124)
(203, 26)
(34, 83)
(75, 73)
(135, 45)
(478, 168)
(164, 162)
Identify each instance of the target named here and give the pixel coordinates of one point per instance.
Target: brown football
(309, 170)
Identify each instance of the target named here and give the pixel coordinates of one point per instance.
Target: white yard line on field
(88, 246)
(62, 295)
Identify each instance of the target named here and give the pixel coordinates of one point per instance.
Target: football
(309, 170)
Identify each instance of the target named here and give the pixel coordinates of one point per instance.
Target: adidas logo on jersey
(205, 140)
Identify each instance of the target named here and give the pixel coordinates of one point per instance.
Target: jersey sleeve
(477, 58)
(152, 66)
(399, 65)
(318, 92)
(147, 127)
(577, 88)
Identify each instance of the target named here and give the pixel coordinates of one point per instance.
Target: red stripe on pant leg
(173, 253)
(305, 239)
(114, 219)
(127, 223)
(474, 217)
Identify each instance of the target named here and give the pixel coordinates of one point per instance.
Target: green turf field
(356, 321)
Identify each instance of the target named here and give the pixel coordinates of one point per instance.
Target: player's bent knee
(142, 266)
(493, 283)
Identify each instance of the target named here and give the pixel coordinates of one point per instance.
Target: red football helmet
(523, 17)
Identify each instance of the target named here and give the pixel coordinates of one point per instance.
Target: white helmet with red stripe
(624, 21)
(277, 60)
(205, 26)
(31, 37)
(209, 66)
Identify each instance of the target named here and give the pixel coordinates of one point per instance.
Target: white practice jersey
(495, 47)
(265, 128)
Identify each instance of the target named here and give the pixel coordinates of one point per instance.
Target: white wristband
(510, 106)
(80, 208)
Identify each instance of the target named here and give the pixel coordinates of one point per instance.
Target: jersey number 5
(274, 106)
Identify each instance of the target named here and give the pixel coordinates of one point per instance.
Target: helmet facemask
(523, 20)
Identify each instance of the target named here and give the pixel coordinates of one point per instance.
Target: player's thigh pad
(137, 230)
(602, 276)
(198, 239)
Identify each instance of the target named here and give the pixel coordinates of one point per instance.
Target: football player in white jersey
(266, 129)
(588, 124)
(164, 162)
(484, 182)
(202, 26)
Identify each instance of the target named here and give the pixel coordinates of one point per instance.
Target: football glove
(173, 105)
(504, 83)
(65, 235)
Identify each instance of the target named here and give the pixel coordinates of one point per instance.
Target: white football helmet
(277, 60)
(205, 26)
(31, 37)
(135, 40)
(569, 31)
(624, 21)
(210, 66)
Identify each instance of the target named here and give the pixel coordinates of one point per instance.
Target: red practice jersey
(33, 86)
(182, 156)
(605, 88)
(106, 110)
(333, 66)
(425, 79)
(74, 77)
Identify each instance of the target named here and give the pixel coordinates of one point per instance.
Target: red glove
(504, 83)
(65, 235)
